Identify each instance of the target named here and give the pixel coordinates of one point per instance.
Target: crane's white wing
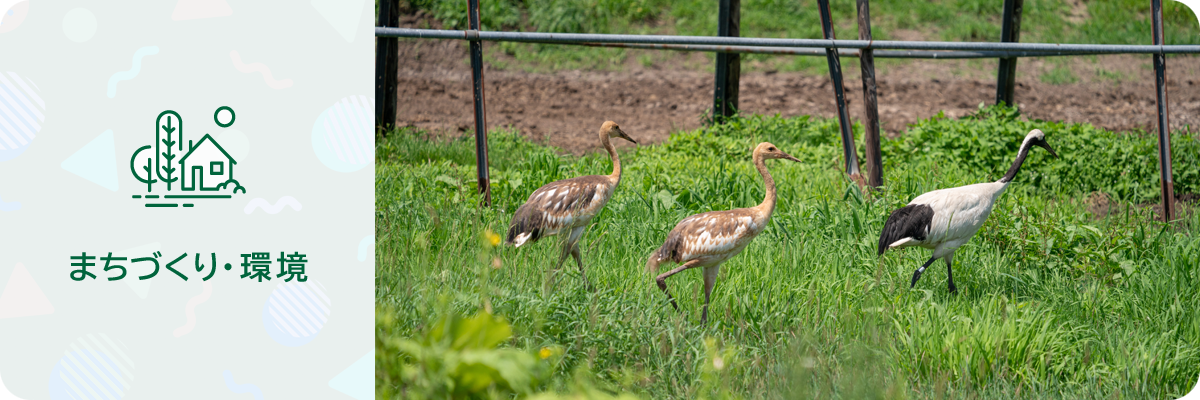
(959, 212)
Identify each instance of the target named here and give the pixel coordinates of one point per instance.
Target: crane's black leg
(917, 274)
(950, 273)
(662, 280)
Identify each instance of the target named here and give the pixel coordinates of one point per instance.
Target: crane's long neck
(616, 160)
(1016, 166)
(768, 202)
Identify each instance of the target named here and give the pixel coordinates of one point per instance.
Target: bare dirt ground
(566, 108)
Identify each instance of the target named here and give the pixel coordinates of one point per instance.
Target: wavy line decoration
(22, 113)
(132, 72)
(189, 310)
(243, 388)
(260, 68)
(295, 312)
(93, 367)
(273, 208)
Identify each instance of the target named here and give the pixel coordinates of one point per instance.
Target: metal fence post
(1010, 31)
(385, 69)
(1164, 133)
(481, 158)
(725, 90)
(866, 61)
(835, 74)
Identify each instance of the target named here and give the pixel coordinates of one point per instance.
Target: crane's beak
(624, 136)
(1046, 146)
(787, 156)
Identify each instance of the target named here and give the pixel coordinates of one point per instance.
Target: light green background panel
(287, 168)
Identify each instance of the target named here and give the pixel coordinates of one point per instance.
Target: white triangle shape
(343, 15)
(357, 380)
(22, 297)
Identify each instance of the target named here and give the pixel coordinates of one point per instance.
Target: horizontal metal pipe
(575, 38)
(800, 51)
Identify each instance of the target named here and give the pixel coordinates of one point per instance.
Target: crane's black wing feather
(911, 221)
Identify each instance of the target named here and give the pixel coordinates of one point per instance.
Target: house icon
(206, 166)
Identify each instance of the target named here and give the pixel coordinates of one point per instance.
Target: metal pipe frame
(872, 157)
(578, 38)
(835, 74)
(1010, 32)
(800, 51)
(1164, 133)
(720, 104)
(481, 156)
(385, 69)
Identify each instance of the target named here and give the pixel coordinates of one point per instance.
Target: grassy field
(1053, 301)
(1053, 21)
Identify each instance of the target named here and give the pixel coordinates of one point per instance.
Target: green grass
(1107, 21)
(1115, 77)
(1052, 302)
(1060, 74)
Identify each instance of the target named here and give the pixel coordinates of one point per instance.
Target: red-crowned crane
(567, 206)
(943, 220)
(708, 239)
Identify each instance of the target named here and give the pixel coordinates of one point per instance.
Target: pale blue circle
(279, 335)
(301, 311)
(91, 370)
(28, 105)
(6, 155)
(79, 25)
(327, 155)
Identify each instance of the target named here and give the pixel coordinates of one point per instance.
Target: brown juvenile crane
(567, 206)
(708, 239)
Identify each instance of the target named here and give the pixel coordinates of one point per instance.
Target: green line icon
(202, 166)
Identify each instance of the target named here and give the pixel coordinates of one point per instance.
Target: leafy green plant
(455, 358)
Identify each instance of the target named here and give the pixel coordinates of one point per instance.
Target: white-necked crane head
(1037, 138)
(768, 151)
(612, 130)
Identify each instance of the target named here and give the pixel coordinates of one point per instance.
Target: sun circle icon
(217, 116)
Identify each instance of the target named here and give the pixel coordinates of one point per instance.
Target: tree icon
(168, 141)
(149, 180)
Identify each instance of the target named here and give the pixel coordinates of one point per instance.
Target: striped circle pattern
(348, 129)
(296, 312)
(344, 134)
(93, 367)
(22, 112)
